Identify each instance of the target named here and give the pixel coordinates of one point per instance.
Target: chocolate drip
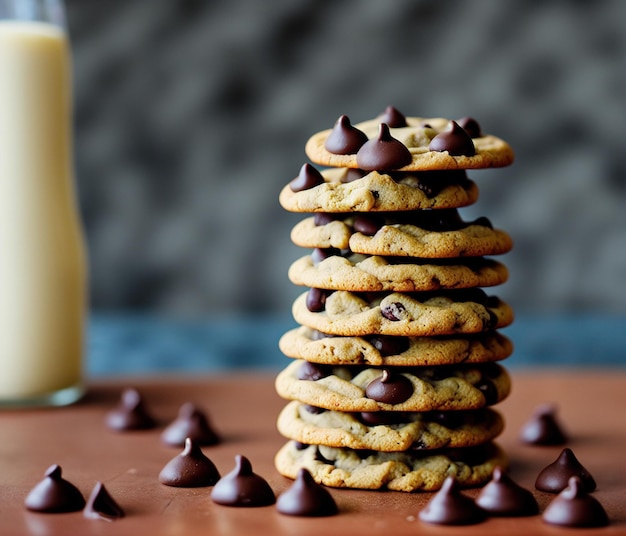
(305, 497)
(450, 507)
(555, 477)
(101, 505)
(503, 497)
(393, 118)
(543, 428)
(190, 469)
(383, 153)
(454, 140)
(242, 487)
(54, 494)
(191, 423)
(130, 414)
(389, 388)
(344, 138)
(573, 507)
(308, 178)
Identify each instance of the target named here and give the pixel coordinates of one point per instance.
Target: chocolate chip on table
(308, 178)
(54, 494)
(242, 487)
(383, 153)
(454, 140)
(190, 469)
(555, 477)
(101, 505)
(390, 388)
(192, 423)
(451, 507)
(504, 497)
(393, 118)
(130, 413)
(344, 138)
(316, 300)
(543, 428)
(574, 507)
(471, 126)
(306, 498)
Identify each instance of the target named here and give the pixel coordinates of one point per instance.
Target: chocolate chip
(323, 218)
(388, 345)
(450, 507)
(308, 178)
(574, 507)
(191, 423)
(433, 182)
(366, 224)
(489, 391)
(314, 410)
(313, 371)
(393, 118)
(390, 388)
(555, 477)
(301, 446)
(101, 505)
(54, 494)
(543, 428)
(242, 487)
(190, 469)
(130, 414)
(383, 153)
(307, 498)
(375, 418)
(454, 140)
(344, 138)
(353, 175)
(471, 126)
(318, 335)
(448, 419)
(316, 300)
(394, 311)
(320, 254)
(503, 497)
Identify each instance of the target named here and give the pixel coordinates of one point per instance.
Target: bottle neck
(48, 11)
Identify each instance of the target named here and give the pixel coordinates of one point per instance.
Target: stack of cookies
(394, 370)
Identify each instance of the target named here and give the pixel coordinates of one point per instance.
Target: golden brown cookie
(398, 471)
(376, 192)
(413, 315)
(389, 432)
(417, 136)
(442, 388)
(360, 273)
(310, 345)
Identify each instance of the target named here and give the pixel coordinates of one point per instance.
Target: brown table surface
(243, 409)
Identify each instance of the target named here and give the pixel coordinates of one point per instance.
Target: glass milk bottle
(42, 257)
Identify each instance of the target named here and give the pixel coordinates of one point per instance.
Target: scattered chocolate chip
(101, 505)
(393, 311)
(344, 138)
(190, 469)
(503, 497)
(451, 507)
(543, 428)
(316, 300)
(191, 423)
(242, 487)
(454, 140)
(383, 153)
(389, 388)
(130, 414)
(555, 477)
(312, 371)
(54, 494)
(308, 178)
(320, 254)
(366, 224)
(305, 497)
(574, 507)
(471, 126)
(393, 118)
(388, 345)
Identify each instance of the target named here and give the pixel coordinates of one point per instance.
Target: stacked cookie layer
(395, 361)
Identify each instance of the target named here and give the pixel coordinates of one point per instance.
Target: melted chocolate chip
(543, 428)
(353, 175)
(393, 311)
(433, 182)
(324, 218)
(389, 388)
(305, 497)
(130, 414)
(471, 126)
(503, 497)
(388, 345)
(454, 140)
(54, 494)
(383, 153)
(320, 254)
(242, 487)
(573, 507)
(376, 418)
(308, 178)
(312, 371)
(344, 138)
(191, 423)
(489, 391)
(366, 224)
(555, 477)
(314, 410)
(316, 300)
(393, 118)
(101, 505)
(449, 419)
(190, 469)
(450, 507)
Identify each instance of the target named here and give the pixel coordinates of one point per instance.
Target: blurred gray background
(190, 116)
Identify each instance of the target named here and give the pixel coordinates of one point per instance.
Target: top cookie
(427, 141)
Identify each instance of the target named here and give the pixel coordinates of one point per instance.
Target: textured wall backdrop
(191, 115)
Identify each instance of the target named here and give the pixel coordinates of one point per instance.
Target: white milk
(42, 264)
